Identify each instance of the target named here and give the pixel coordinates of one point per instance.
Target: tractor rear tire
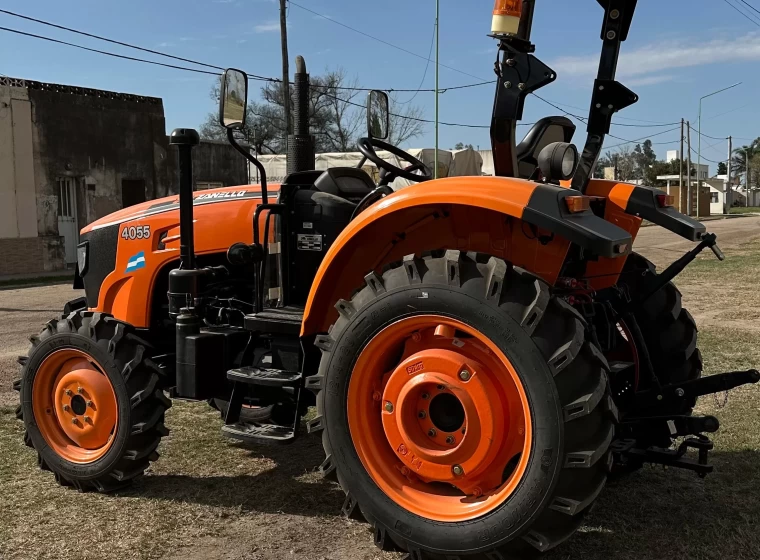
(669, 331)
(90, 371)
(565, 381)
(248, 414)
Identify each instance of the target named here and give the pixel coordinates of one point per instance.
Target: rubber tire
(140, 400)
(669, 330)
(564, 375)
(247, 414)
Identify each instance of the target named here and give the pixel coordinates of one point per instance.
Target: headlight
(558, 161)
(82, 254)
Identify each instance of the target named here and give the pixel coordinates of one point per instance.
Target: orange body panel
(480, 214)
(219, 223)
(604, 273)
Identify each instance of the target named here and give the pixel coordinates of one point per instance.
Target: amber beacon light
(506, 16)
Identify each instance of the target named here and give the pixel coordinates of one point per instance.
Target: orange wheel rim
(439, 418)
(74, 406)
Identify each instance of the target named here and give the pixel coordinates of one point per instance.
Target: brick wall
(30, 255)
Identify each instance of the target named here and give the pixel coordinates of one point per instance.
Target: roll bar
(521, 73)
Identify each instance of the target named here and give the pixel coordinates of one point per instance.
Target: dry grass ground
(209, 499)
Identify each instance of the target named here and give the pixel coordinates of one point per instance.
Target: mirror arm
(362, 162)
(253, 160)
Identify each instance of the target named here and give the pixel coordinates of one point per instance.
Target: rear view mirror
(378, 115)
(233, 98)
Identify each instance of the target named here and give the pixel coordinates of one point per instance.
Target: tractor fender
(525, 223)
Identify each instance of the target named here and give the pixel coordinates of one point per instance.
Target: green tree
(722, 168)
(747, 157)
(461, 146)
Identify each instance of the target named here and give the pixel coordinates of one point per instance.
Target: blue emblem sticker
(136, 262)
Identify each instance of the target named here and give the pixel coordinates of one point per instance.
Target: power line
(707, 135)
(204, 64)
(750, 5)
(196, 70)
(384, 42)
(644, 138)
(125, 57)
(742, 13)
(427, 66)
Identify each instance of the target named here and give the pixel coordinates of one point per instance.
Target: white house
(704, 169)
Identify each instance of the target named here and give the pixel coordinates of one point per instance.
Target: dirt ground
(208, 498)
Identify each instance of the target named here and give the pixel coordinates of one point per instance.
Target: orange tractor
(482, 351)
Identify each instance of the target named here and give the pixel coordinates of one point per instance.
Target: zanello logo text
(217, 195)
(414, 368)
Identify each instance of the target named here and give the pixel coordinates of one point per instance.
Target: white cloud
(666, 56)
(165, 44)
(267, 27)
(650, 80)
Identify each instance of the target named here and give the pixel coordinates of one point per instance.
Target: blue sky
(678, 51)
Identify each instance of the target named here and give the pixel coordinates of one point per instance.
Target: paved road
(24, 311)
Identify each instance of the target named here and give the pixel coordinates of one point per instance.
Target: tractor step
(265, 376)
(260, 434)
(278, 320)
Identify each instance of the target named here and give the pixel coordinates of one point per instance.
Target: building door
(132, 192)
(67, 217)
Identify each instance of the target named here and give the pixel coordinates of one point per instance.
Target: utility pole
(437, 69)
(285, 68)
(729, 192)
(688, 168)
(749, 174)
(681, 193)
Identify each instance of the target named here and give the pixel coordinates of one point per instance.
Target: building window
(714, 197)
(66, 196)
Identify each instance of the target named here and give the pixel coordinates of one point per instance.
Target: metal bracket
(609, 97)
(519, 74)
(627, 451)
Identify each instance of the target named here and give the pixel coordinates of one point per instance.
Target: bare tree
(336, 116)
(406, 123)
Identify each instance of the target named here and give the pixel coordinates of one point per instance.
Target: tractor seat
(349, 183)
(546, 131)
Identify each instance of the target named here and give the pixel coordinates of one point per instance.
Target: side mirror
(378, 115)
(233, 98)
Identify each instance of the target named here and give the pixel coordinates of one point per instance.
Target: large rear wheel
(464, 413)
(91, 401)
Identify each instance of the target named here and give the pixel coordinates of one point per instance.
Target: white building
(704, 169)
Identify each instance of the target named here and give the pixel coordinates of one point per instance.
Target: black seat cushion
(347, 182)
(546, 131)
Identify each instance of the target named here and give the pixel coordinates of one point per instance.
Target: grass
(745, 210)
(209, 498)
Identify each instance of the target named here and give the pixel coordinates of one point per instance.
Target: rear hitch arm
(696, 388)
(708, 240)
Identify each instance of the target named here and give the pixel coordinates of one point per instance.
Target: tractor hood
(170, 203)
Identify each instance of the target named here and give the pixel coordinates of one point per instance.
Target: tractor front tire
(395, 351)
(91, 401)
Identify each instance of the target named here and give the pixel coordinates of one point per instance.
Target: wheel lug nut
(464, 375)
(450, 440)
(66, 408)
(421, 414)
(388, 406)
(74, 421)
(457, 470)
(80, 390)
(376, 396)
(432, 432)
(425, 396)
(87, 419)
(68, 392)
(90, 404)
(441, 387)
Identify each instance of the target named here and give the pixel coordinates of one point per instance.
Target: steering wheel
(367, 148)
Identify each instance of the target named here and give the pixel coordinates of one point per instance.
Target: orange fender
(482, 214)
